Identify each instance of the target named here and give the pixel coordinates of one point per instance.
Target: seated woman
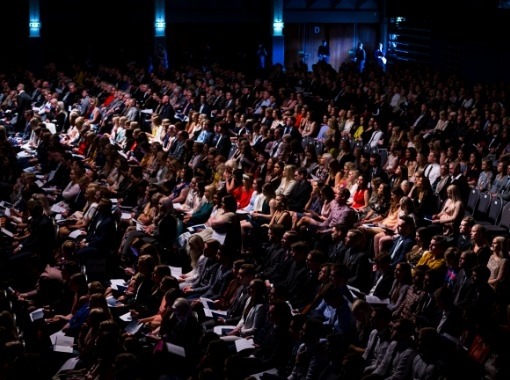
(362, 195)
(201, 213)
(422, 195)
(162, 231)
(254, 313)
(224, 223)
(243, 193)
(311, 218)
(380, 205)
(142, 219)
(385, 237)
(422, 239)
(194, 198)
(181, 189)
(389, 223)
(448, 220)
(288, 182)
(171, 293)
(81, 218)
(281, 213)
(263, 207)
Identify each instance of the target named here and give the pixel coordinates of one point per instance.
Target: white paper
(206, 302)
(37, 314)
(69, 364)
(118, 281)
(210, 313)
(64, 343)
(223, 329)
(126, 317)
(177, 350)
(125, 215)
(133, 327)
(197, 227)
(53, 337)
(76, 234)
(56, 208)
(7, 232)
(112, 302)
(243, 344)
(219, 237)
(175, 271)
(376, 300)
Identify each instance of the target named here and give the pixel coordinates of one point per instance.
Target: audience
(159, 213)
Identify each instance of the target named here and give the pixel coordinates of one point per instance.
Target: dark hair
(303, 171)
(277, 229)
(300, 247)
(413, 153)
(327, 192)
(229, 203)
(441, 241)
(382, 258)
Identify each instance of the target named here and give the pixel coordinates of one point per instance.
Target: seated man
(100, 234)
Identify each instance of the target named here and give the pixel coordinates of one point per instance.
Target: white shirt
(432, 172)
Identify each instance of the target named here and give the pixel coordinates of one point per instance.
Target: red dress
(242, 196)
(358, 199)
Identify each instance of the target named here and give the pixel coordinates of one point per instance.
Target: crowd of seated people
(169, 232)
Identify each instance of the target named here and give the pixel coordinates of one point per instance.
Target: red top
(358, 199)
(242, 196)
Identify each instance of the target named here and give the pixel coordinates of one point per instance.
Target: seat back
(504, 220)
(503, 226)
(472, 202)
(384, 156)
(495, 209)
(482, 209)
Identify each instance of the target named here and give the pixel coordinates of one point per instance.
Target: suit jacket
(133, 114)
(206, 137)
(60, 178)
(357, 262)
(299, 196)
(42, 238)
(441, 185)
(101, 231)
(223, 145)
(24, 101)
(205, 108)
(165, 111)
(383, 287)
(398, 251)
(377, 172)
(464, 291)
(166, 233)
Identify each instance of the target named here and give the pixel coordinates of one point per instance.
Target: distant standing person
(379, 57)
(360, 57)
(261, 57)
(323, 52)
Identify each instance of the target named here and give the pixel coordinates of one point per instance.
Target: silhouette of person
(323, 52)
(360, 57)
(379, 57)
(261, 57)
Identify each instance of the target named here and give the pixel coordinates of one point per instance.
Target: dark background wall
(468, 35)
